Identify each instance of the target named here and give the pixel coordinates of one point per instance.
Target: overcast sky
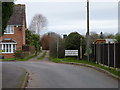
(70, 15)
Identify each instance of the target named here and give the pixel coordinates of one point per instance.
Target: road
(12, 75)
(46, 74)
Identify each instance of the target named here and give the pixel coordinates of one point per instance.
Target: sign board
(71, 52)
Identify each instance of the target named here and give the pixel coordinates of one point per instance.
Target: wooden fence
(30, 49)
(107, 54)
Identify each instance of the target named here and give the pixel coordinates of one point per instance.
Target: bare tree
(109, 36)
(38, 23)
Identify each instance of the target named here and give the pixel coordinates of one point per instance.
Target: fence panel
(111, 55)
(30, 49)
(98, 53)
(105, 54)
(101, 54)
(117, 54)
(25, 48)
(101, 48)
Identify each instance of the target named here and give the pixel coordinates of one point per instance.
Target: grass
(8, 59)
(73, 60)
(43, 55)
(18, 59)
(22, 80)
(27, 58)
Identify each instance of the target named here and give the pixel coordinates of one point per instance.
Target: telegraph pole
(57, 45)
(88, 17)
(88, 41)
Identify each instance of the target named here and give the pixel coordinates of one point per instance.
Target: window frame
(9, 28)
(8, 47)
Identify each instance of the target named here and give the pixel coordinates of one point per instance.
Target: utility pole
(57, 45)
(80, 48)
(87, 36)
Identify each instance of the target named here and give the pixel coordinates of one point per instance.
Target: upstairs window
(9, 29)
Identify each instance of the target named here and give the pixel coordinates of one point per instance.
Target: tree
(33, 40)
(72, 42)
(7, 10)
(56, 45)
(36, 42)
(101, 36)
(46, 42)
(29, 35)
(93, 37)
(117, 37)
(38, 23)
(109, 36)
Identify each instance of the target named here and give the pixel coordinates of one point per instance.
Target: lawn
(73, 60)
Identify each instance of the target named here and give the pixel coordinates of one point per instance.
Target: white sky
(65, 16)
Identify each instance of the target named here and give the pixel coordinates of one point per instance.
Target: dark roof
(18, 15)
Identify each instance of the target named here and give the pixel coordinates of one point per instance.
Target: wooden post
(81, 49)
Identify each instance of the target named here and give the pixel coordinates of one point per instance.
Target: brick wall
(10, 55)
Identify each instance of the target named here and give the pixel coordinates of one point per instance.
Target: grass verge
(73, 60)
(27, 58)
(43, 55)
(18, 59)
(8, 59)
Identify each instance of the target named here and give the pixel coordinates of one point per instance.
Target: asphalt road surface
(12, 75)
(46, 74)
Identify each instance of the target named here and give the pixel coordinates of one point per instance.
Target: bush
(21, 54)
(117, 37)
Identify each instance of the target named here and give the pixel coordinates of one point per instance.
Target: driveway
(46, 74)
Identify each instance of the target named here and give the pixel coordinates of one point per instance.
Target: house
(14, 35)
(99, 41)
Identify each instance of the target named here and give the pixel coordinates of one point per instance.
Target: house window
(8, 48)
(9, 29)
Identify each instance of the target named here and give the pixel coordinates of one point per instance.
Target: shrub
(117, 37)
(21, 54)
